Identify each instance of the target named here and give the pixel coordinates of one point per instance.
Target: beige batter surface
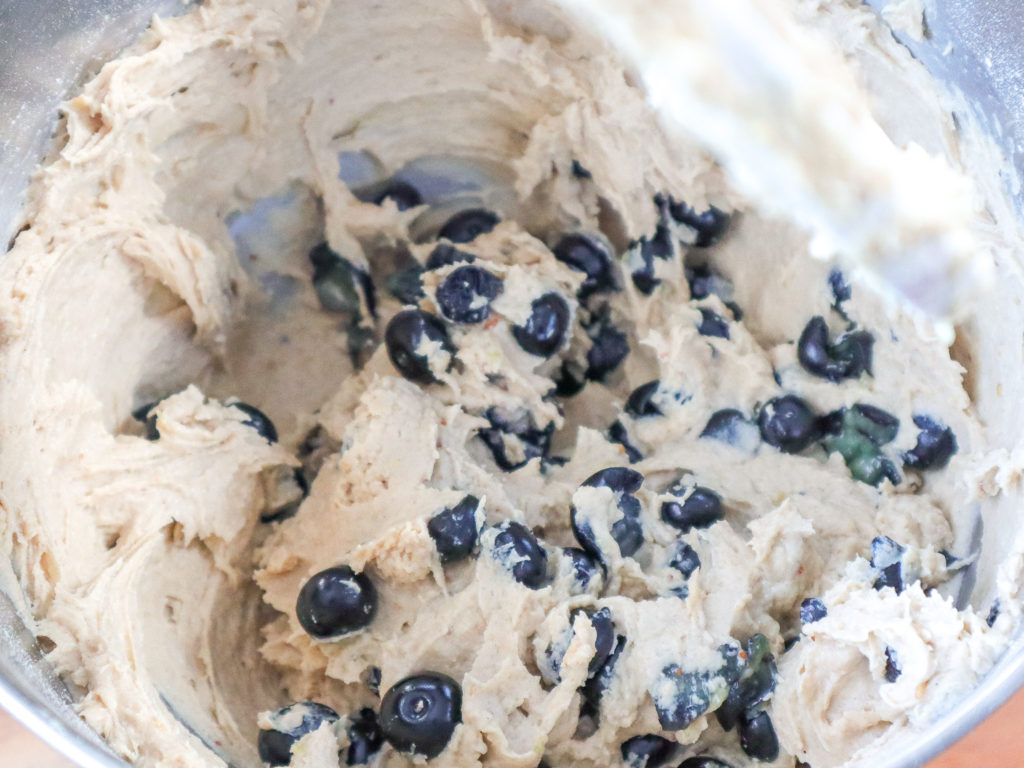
(164, 259)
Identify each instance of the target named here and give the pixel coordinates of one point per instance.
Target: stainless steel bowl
(49, 47)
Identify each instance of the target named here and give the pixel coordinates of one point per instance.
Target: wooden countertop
(997, 743)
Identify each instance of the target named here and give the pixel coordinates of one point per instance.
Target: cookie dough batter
(382, 384)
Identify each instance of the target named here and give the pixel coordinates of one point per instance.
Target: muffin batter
(383, 385)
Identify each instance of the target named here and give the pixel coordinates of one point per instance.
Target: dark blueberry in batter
(419, 714)
(336, 602)
(703, 762)
(585, 569)
(857, 434)
(466, 226)
(518, 549)
(337, 282)
(754, 685)
(840, 288)
(289, 509)
(887, 558)
(604, 641)
(643, 276)
(609, 346)
(404, 334)
(465, 296)
(444, 254)
(570, 379)
(730, 426)
(685, 559)
(579, 171)
(847, 358)
(619, 479)
(589, 256)
(935, 445)
(650, 751)
(404, 195)
(812, 610)
(595, 686)
(617, 434)
(454, 530)
(627, 530)
(371, 679)
(544, 331)
(275, 746)
(364, 737)
(710, 224)
(406, 285)
(712, 324)
(145, 414)
(701, 508)
(757, 737)
(641, 401)
(993, 613)
(258, 420)
(512, 436)
(892, 666)
(788, 423)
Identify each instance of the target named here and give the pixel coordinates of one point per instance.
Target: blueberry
(685, 559)
(290, 725)
(704, 282)
(337, 282)
(466, 226)
(659, 246)
(579, 171)
(681, 696)
(857, 434)
(585, 570)
(466, 294)
(515, 440)
(710, 225)
(703, 762)
(570, 379)
(258, 420)
(617, 434)
(444, 254)
(419, 714)
(812, 610)
(609, 345)
(847, 358)
(406, 285)
(336, 602)
(699, 508)
(544, 330)
(731, 426)
(595, 686)
(405, 334)
(935, 445)
(788, 423)
(588, 255)
(643, 276)
(455, 531)
(371, 679)
(892, 665)
(757, 737)
(887, 560)
(404, 195)
(619, 479)
(641, 401)
(840, 288)
(364, 737)
(145, 414)
(993, 613)
(754, 685)
(627, 531)
(298, 478)
(649, 751)
(604, 642)
(518, 550)
(712, 324)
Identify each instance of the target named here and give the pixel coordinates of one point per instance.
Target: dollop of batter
(384, 386)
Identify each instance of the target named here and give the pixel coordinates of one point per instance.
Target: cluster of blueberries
(418, 715)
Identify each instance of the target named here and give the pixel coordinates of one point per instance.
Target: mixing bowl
(49, 47)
